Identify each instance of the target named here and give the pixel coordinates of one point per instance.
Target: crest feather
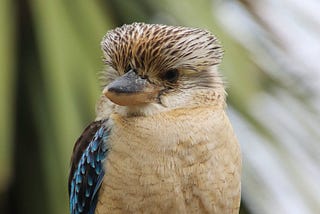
(155, 46)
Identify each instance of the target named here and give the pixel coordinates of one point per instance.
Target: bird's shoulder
(86, 172)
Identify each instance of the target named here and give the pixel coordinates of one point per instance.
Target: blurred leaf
(7, 89)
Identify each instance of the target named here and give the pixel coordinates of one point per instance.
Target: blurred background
(50, 59)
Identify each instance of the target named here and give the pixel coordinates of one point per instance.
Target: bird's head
(153, 68)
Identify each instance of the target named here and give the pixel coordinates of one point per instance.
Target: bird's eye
(171, 75)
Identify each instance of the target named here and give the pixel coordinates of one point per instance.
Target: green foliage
(7, 90)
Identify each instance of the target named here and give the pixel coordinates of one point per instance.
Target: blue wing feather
(87, 169)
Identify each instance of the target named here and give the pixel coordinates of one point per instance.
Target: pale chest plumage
(183, 161)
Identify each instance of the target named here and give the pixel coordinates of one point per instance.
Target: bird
(161, 141)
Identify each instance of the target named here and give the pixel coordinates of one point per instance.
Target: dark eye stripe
(128, 68)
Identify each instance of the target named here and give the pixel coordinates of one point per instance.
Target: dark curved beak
(130, 89)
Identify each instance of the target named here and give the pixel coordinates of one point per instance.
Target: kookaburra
(161, 141)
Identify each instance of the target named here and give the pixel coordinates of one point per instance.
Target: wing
(86, 173)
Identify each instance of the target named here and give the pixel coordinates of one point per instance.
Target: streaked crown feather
(155, 46)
